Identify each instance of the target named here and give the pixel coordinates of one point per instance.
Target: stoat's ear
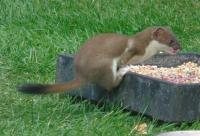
(157, 32)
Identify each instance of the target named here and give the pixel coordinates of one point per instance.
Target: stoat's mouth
(172, 51)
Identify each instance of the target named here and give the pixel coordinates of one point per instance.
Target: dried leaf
(141, 128)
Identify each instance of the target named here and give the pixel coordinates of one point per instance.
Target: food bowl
(157, 98)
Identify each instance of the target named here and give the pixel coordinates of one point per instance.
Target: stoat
(99, 59)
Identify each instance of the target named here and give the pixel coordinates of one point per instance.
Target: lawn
(34, 32)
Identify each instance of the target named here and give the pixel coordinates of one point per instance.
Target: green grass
(34, 32)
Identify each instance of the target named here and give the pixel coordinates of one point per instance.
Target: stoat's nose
(177, 46)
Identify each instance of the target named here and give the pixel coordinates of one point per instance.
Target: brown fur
(95, 62)
(60, 87)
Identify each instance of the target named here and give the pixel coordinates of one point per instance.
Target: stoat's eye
(171, 41)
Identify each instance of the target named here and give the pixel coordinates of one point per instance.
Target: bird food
(186, 73)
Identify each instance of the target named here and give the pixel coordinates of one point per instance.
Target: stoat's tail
(55, 88)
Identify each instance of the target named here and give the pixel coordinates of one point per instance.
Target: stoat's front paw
(123, 71)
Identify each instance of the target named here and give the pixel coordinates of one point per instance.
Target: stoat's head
(164, 40)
